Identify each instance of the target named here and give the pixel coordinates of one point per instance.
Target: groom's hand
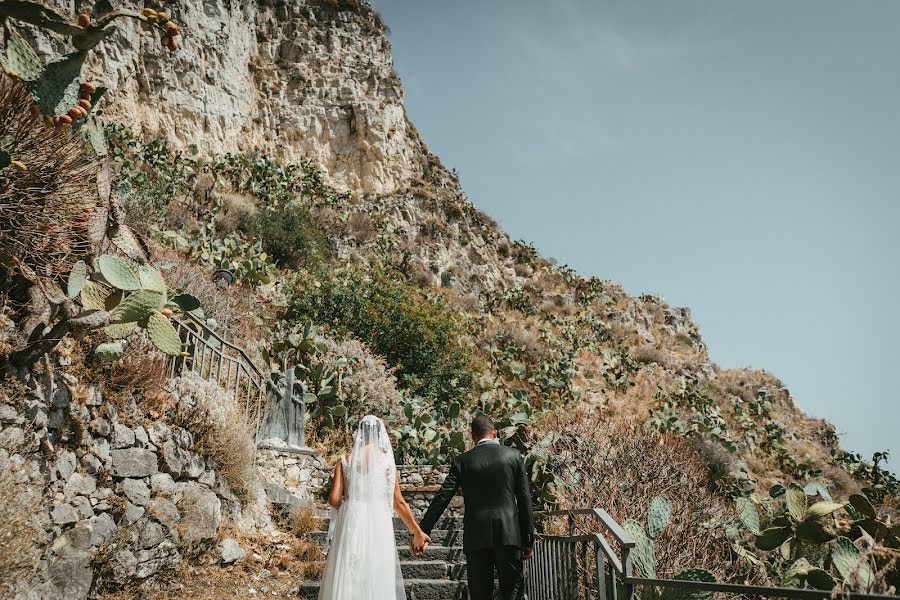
(528, 552)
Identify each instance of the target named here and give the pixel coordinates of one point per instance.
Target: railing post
(626, 576)
(601, 572)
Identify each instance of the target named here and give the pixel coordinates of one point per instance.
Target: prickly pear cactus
(21, 59)
(137, 306)
(93, 297)
(846, 558)
(690, 575)
(658, 516)
(795, 499)
(77, 279)
(163, 335)
(642, 555)
(748, 515)
(110, 350)
(59, 87)
(119, 272)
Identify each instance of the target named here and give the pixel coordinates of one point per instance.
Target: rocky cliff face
(295, 79)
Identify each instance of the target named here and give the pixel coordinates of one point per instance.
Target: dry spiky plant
(220, 429)
(46, 210)
(626, 466)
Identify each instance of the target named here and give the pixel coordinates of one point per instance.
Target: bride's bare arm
(336, 497)
(403, 511)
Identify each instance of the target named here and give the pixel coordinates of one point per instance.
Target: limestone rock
(136, 491)
(64, 514)
(102, 529)
(123, 437)
(134, 462)
(231, 552)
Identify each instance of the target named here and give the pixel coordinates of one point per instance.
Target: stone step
(432, 570)
(434, 553)
(416, 589)
(441, 537)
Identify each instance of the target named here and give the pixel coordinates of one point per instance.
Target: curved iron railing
(213, 358)
(588, 566)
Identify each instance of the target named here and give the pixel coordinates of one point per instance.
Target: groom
(499, 523)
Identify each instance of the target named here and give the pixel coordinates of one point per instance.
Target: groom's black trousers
(507, 560)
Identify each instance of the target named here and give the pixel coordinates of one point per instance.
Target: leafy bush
(416, 333)
(289, 235)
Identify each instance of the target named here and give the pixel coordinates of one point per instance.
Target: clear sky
(741, 158)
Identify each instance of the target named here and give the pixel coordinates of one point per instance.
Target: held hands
(528, 552)
(419, 543)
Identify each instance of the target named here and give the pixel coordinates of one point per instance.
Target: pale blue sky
(741, 158)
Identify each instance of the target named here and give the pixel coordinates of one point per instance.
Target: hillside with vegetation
(359, 263)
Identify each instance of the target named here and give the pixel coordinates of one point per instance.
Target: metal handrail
(236, 373)
(601, 572)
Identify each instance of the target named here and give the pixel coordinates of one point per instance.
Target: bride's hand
(419, 543)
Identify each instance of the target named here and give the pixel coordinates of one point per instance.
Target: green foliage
(642, 555)
(881, 484)
(59, 87)
(704, 419)
(432, 432)
(21, 59)
(247, 260)
(618, 367)
(658, 516)
(135, 295)
(801, 541)
(289, 235)
(415, 332)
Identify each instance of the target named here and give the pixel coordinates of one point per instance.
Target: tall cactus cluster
(643, 555)
(135, 296)
(49, 201)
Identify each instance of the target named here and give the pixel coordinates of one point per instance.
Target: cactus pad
(163, 335)
(137, 306)
(819, 579)
(59, 87)
(77, 279)
(119, 273)
(748, 515)
(93, 297)
(151, 279)
(642, 554)
(795, 575)
(795, 499)
(658, 516)
(187, 303)
(820, 509)
(110, 350)
(773, 537)
(118, 331)
(862, 505)
(21, 59)
(844, 555)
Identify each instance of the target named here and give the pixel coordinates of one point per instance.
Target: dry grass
(19, 553)
(627, 467)
(361, 227)
(302, 520)
(648, 353)
(142, 373)
(221, 431)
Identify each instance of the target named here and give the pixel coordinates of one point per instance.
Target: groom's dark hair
(481, 426)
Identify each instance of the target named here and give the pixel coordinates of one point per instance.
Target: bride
(362, 560)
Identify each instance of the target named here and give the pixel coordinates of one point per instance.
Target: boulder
(134, 462)
(231, 552)
(123, 437)
(136, 491)
(64, 514)
(102, 530)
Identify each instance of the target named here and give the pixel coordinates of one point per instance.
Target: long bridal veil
(362, 557)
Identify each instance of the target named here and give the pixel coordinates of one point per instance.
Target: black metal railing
(211, 357)
(597, 565)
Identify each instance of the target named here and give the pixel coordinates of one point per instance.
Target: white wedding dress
(362, 554)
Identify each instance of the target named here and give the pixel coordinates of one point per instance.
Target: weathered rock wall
(295, 79)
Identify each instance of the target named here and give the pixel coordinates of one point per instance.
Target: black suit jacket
(497, 499)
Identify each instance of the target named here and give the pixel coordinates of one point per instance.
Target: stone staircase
(439, 575)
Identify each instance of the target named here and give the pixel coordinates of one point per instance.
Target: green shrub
(417, 334)
(289, 234)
